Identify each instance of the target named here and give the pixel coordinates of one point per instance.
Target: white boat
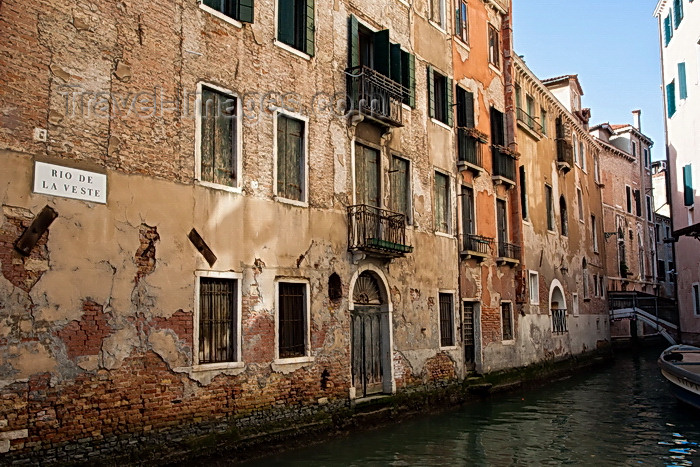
(680, 365)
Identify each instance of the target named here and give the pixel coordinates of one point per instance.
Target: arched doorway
(370, 348)
(557, 307)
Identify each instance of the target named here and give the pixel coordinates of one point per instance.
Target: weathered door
(502, 226)
(367, 350)
(367, 175)
(469, 337)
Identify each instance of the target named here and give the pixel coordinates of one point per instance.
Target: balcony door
(367, 176)
(502, 219)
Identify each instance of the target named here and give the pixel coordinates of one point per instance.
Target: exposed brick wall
(181, 322)
(440, 368)
(84, 337)
(145, 257)
(22, 271)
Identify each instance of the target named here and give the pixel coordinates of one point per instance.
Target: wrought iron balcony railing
(559, 321)
(469, 147)
(509, 251)
(503, 163)
(372, 94)
(529, 121)
(377, 231)
(565, 152)
(476, 243)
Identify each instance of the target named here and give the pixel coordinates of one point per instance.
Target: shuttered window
(295, 24)
(468, 211)
(217, 320)
(400, 186)
(507, 321)
(498, 129)
(218, 149)
(688, 192)
(447, 336)
(668, 29)
(494, 47)
(442, 203)
(439, 96)
(367, 176)
(241, 10)
(677, 12)
(292, 326)
(682, 85)
(523, 193)
(465, 108)
(671, 98)
(638, 203)
(291, 160)
(462, 22)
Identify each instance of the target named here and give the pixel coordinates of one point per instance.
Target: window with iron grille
(241, 10)
(291, 158)
(447, 337)
(468, 328)
(218, 318)
(507, 321)
(295, 24)
(218, 128)
(291, 315)
(494, 47)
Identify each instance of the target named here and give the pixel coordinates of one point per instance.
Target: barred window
(447, 337)
(217, 320)
(292, 319)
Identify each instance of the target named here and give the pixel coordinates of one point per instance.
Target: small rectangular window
(671, 98)
(688, 191)
(579, 196)
(549, 199)
(442, 203)
(462, 21)
(650, 211)
(523, 193)
(241, 10)
(291, 158)
(594, 229)
(646, 157)
(638, 203)
(447, 338)
(574, 301)
(543, 121)
(534, 283)
(661, 270)
(218, 128)
(440, 97)
(217, 339)
(291, 315)
(494, 47)
(507, 321)
(696, 299)
(437, 12)
(682, 85)
(628, 191)
(295, 24)
(401, 186)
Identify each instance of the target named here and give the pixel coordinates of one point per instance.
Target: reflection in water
(620, 415)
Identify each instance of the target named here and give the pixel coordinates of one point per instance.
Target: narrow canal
(622, 414)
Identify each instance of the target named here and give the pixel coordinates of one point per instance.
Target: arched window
(564, 217)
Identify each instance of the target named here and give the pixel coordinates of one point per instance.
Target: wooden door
(366, 350)
(468, 335)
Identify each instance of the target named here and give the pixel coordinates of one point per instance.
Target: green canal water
(618, 415)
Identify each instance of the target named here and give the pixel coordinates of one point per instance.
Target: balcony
(475, 247)
(529, 123)
(565, 155)
(508, 253)
(377, 232)
(373, 95)
(503, 165)
(470, 149)
(559, 321)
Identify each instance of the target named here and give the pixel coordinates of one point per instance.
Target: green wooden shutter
(310, 47)
(215, 4)
(396, 64)
(431, 93)
(245, 10)
(688, 192)
(678, 10)
(458, 20)
(682, 86)
(671, 98)
(285, 21)
(408, 65)
(382, 52)
(281, 156)
(207, 121)
(448, 99)
(469, 110)
(353, 42)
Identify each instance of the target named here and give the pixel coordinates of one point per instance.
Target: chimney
(637, 119)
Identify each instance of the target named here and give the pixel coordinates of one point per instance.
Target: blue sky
(612, 45)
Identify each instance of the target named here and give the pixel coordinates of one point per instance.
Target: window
(575, 148)
(437, 12)
(468, 211)
(628, 191)
(543, 121)
(596, 168)
(574, 304)
(507, 321)
(688, 191)
(649, 210)
(595, 285)
(671, 98)
(582, 154)
(291, 319)
(469, 338)
(661, 270)
(564, 217)
(462, 21)
(241, 10)
(291, 158)
(295, 24)
(638, 203)
(579, 197)
(494, 47)
(534, 283)
(523, 193)
(586, 279)
(696, 299)
(502, 224)
(530, 103)
(439, 97)
(465, 108)
(401, 186)
(217, 330)
(498, 127)
(682, 85)
(442, 203)
(447, 337)
(550, 206)
(367, 176)
(671, 271)
(646, 157)
(634, 148)
(668, 28)
(218, 133)
(594, 229)
(678, 12)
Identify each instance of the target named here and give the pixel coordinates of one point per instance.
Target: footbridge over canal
(661, 314)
